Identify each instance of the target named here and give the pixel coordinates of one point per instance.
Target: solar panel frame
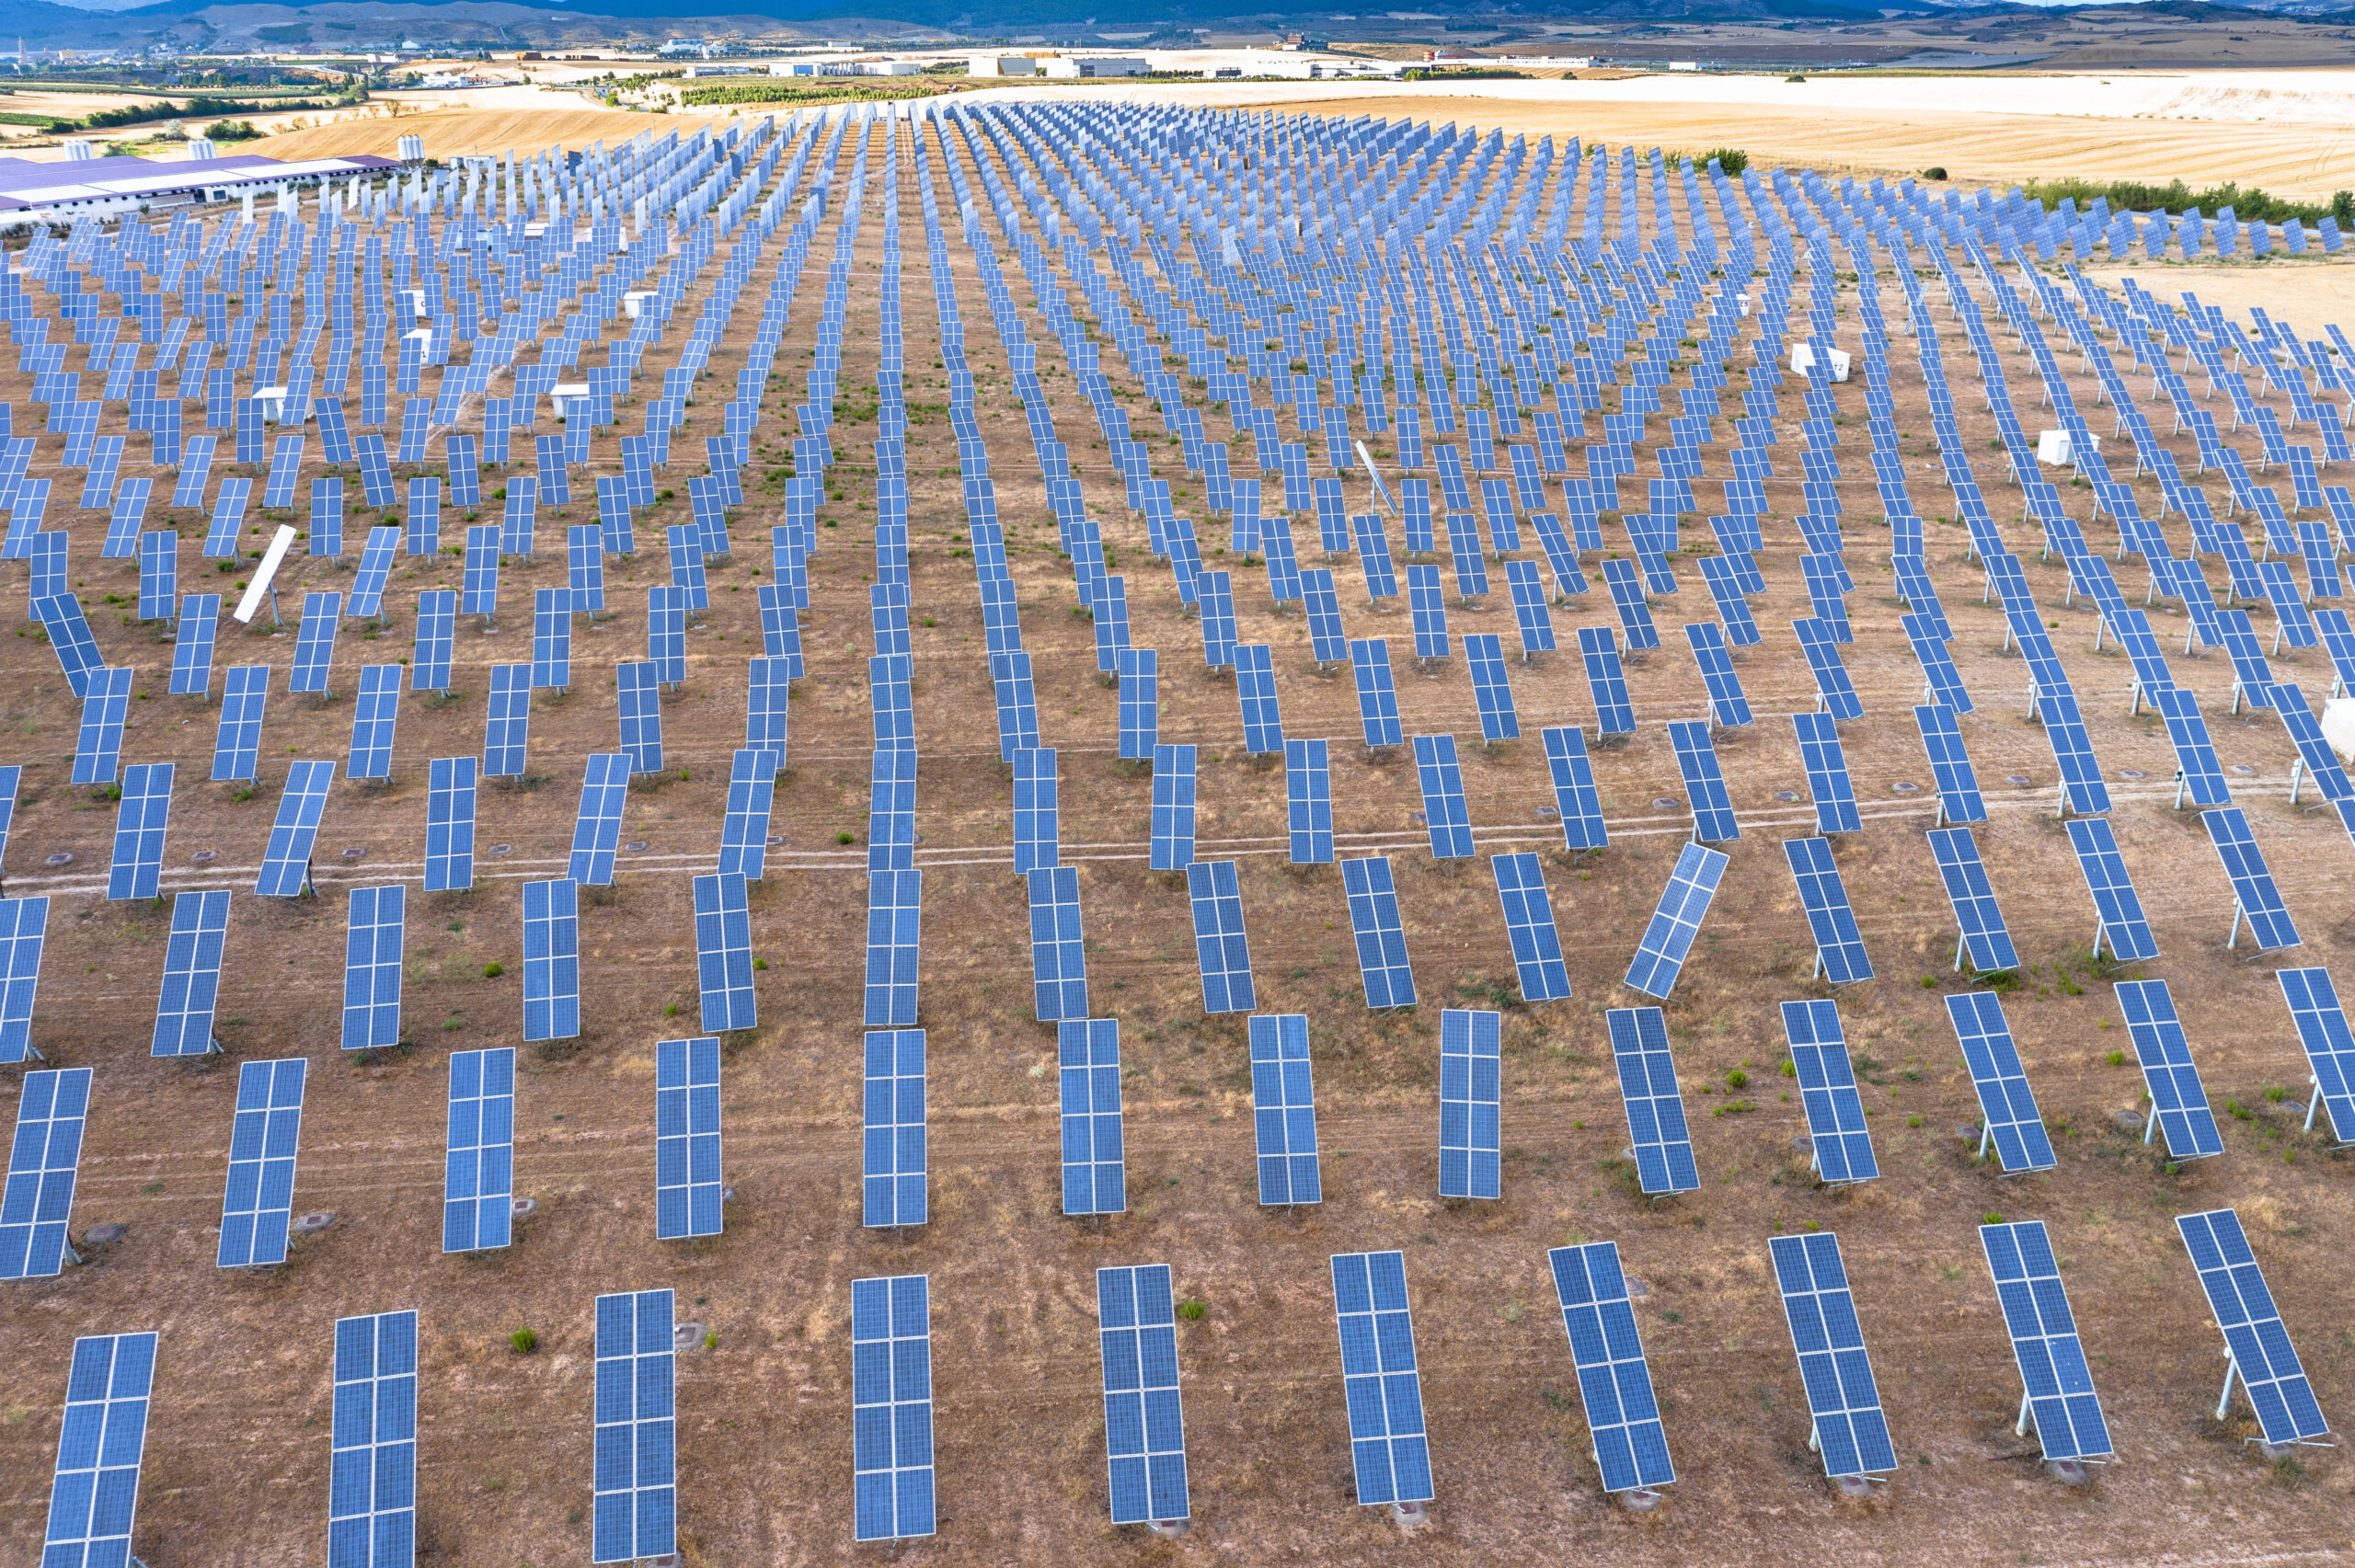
(192, 983)
(1607, 682)
(1283, 1110)
(724, 954)
(1095, 1164)
(895, 1171)
(1484, 656)
(1840, 955)
(371, 1472)
(1446, 818)
(597, 828)
(373, 938)
(1657, 1130)
(264, 1137)
(479, 1174)
(1836, 693)
(1222, 949)
(2009, 1121)
(1576, 799)
(1144, 1428)
(1623, 1419)
(1308, 797)
(286, 862)
(2257, 898)
(102, 1442)
(1390, 1449)
(1683, 905)
(1529, 927)
(2255, 1337)
(1849, 1428)
(1383, 965)
(551, 960)
(2323, 1032)
(894, 946)
(450, 824)
(1828, 783)
(634, 1498)
(44, 1161)
(1985, 937)
(1696, 758)
(1729, 708)
(1172, 816)
(1840, 1141)
(1058, 947)
(507, 723)
(141, 821)
(891, 1416)
(2056, 1381)
(1471, 1072)
(2179, 1105)
(688, 1192)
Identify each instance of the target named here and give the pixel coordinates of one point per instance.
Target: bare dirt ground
(238, 1448)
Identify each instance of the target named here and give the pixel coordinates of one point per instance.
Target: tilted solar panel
(1283, 1109)
(478, 1182)
(1842, 1144)
(1093, 1161)
(687, 1190)
(2057, 1384)
(1849, 1429)
(2009, 1121)
(2178, 1103)
(1144, 1428)
(1471, 1086)
(894, 1168)
(890, 1331)
(1389, 1447)
(2255, 1337)
(1656, 1126)
(1614, 1381)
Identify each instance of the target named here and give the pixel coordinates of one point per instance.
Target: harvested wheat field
(451, 133)
(238, 1442)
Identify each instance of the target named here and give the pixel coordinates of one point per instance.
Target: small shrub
(1731, 161)
(1790, 1068)
(492, 971)
(1935, 171)
(845, 838)
(2116, 1059)
(1991, 1218)
(1192, 1308)
(1737, 1079)
(524, 1341)
(711, 1339)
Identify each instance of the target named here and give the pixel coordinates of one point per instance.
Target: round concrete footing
(1169, 1529)
(104, 1235)
(2068, 1472)
(687, 1336)
(311, 1224)
(1640, 1500)
(523, 1205)
(1410, 1516)
(1854, 1486)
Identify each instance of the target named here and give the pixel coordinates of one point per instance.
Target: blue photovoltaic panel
(637, 686)
(262, 1141)
(43, 1162)
(100, 1441)
(744, 836)
(1622, 1414)
(1172, 847)
(1036, 818)
(139, 826)
(551, 960)
(1255, 688)
(1940, 680)
(1529, 924)
(1377, 696)
(2256, 897)
(1380, 938)
(508, 726)
(1388, 1446)
(371, 1478)
(2009, 1118)
(1471, 1085)
(597, 829)
(1835, 695)
(2315, 757)
(1139, 704)
(2198, 774)
(893, 1162)
(479, 1179)
(1144, 1428)
(894, 937)
(236, 751)
(1984, 939)
(1283, 1110)
(191, 974)
(437, 613)
(1058, 951)
(1445, 816)
(1094, 1173)
(1728, 707)
(635, 1432)
(1615, 715)
(1683, 904)
(2118, 910)
(98, 747)
(1827, 774)
(551, 639)
(1835, 1114)
(891, 1334)
(2080, 781)
(2330, 1048)
(2255, 1337)
(724, 954)
(374, 716)
(1957, 782)
(286, 863)
(686, 1138)
(372, 968)
(193, 647)
(1484, 655)
(1575, 796)
(2178, 1103)
(315, 644)
(450, 824)
(1840, 955)
(2057, 1384)
(1220, 946)
(1626, 587)
(1696, 758)
(1850, 1430)
(1308, 796)
(1656, 1126)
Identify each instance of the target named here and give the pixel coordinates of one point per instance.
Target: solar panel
(1492, 689)
(1383, 964)
(98, 746)
(139, 826)
(1656, 1127)
(42, 1163)
(2315, 759)
(1377, 696)
(2256, 1340)
(2252, 677)
(1614, 1381)
(372, 968)
(508, 728)
(191, 975)
(1683, 905)
(1058, 951)
(262, 1141)
(1388, 1447)
(23, 924)
(634, 1500)
(1696, 758)
(1848, 1427)
(1444, 814)
(1840, 957)
(478, 1178)
(372, 1477)
(551, 638)
(192, 646)
(1627, 597)
(890, 1333)
(1827, 774)
(894, 935)
(687, 1191)
(1220, 948)
(437, 613)
(724, 954)
(1035, 810)
(1254, 687)
(1529, 925)
(1145, 1429)
(1308, 796)
(2179, 1105)
(2330, 1048)
(1728, 707)
(1095, 1175)
(1842, 1144)
(2256, 899)
(2118, 909)
(551, 960)
(1576, 798)
(286, 863)
(893, 1173)
(2010, 1122)
(2056, 1385)
(1140, 702)
(1836, 693)
(2081, 782)
(1985, 938)
(1172, 847)
(597, 829)
(450, 824)
(373, 715)
(1613, 714)
(1470, 1088)
(1283, 1110)
(101, 1439)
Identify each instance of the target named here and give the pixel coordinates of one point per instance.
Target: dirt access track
(237, 1453)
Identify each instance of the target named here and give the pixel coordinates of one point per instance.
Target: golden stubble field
(238, 1450)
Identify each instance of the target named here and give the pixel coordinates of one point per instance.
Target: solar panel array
(1380, 1377)
(1144, 1425)
(1622, 1414)
(634, 1495)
